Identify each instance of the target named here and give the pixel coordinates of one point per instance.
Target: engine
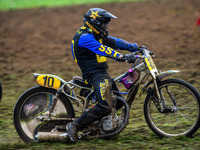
(110, 123)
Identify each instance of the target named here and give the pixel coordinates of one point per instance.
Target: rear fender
(159, 77)
(53, 82)
(49, 80)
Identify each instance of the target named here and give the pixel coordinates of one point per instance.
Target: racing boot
(72, 131)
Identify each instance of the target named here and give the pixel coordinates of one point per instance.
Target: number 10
(48, 81)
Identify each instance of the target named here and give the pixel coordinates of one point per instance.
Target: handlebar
(143, 50)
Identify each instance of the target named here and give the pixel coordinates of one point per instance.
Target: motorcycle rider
(90, 47)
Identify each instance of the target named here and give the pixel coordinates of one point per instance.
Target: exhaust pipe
(52, 136)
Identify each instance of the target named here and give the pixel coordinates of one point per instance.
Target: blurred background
(21, 4)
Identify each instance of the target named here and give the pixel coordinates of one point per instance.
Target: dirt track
(39, 40)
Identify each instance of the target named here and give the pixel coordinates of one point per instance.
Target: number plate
(48, 81)
(151, 66)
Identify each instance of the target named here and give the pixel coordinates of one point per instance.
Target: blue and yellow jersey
(91, 53)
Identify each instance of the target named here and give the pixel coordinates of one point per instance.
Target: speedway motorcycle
(171, 106)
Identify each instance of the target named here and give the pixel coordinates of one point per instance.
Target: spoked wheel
(35, 103)
(181, 103)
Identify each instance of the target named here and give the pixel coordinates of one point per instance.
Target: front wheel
(181, 102)
(36, 102)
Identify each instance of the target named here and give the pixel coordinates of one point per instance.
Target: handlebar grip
(151, 53)
(130, 58)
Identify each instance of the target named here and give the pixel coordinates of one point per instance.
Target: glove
(133, 47)
(120, 58)
(130, 58)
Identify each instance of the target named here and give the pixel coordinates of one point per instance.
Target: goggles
(104, 25)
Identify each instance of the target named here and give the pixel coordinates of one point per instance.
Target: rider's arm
(88, 41)
(118, 43)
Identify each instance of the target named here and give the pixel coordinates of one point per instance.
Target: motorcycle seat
(79, 81)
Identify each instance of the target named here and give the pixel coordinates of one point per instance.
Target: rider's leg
(100, 82)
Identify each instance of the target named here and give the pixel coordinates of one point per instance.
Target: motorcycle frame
(147, 70)
(84, 107)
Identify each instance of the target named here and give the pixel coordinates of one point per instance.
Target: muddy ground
(39, 40)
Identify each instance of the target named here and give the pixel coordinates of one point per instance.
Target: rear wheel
(35, 102)
(181, 103)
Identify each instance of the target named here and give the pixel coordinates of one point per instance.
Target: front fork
(160, 101)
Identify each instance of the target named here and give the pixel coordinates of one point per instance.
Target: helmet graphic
(98, 19)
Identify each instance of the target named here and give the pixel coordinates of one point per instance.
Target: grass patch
(21, 4)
